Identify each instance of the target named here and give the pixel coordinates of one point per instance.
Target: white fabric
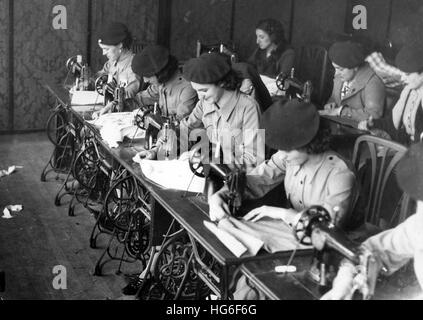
(171, 174)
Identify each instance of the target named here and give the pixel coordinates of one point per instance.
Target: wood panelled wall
(39, 51)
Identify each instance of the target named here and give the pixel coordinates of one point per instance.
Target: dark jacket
(280, 60)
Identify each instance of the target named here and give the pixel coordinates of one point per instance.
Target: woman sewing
(160, 69)
(405, 123)
(115, 41)
(358, 93)
(311, 172)
(273, 54)
(223, 115)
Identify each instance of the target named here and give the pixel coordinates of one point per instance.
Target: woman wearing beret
(115, 41)
(405, 123)
(395, 247)
(160, 69)
(358, 93)
(273, 54)
(229, 118)
(311, 173)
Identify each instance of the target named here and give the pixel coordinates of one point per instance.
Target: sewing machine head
(293, 87)
(79, 69)
(205, 162)
(315, 227)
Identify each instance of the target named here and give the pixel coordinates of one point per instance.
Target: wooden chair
(375, 160)
(312, 63)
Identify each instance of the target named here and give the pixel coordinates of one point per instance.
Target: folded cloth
(276, 235)
(236, 247)
(114, 127)
(171, 174)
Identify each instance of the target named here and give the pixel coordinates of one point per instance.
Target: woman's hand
(148, 154)
(330, 109)
(266, 211)
(366, 124)
(218, 208)
(342, 284)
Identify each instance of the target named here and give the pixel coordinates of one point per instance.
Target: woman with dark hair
(173, 93)
(358, 93)
(312, 174)
(226, 117)
(115, 41)
(273, 54)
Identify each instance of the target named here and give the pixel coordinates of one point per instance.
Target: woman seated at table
(160, 69)
(405, 123)
(226, 117)
(115, 41)
(273, 55)
(312, 174)
(358, 92)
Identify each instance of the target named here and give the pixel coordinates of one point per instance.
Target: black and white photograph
(211, 154)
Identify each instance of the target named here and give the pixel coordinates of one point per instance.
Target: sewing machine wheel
(122, 204)
(57, 125)
(196, 165)
(100, 82)
(304, 227)
(86, 167)
(137, 243)
(280, 81)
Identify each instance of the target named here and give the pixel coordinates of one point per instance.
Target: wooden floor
(43, 236)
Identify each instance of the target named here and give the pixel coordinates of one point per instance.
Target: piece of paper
(171, 174)
(271, 86)
(11, 209)
(81, 98)
(230, 242)
(9, 171)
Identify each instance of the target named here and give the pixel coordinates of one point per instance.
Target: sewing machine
(293, 87)
(156, 127)
(204, 163)
(315, 227)
(79, 69)
(217, 47)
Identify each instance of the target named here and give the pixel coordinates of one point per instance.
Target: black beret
(207, 68)
(113, 33)
(291, 125)
(150, 60)
(410, 58)
(409, 172)
(346, 54)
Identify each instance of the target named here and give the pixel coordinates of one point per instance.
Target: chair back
(376, 159)
(312, 63)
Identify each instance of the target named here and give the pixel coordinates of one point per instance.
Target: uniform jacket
(365, 98)
(121, 70)
(280, 60)
(233, 124)
(329, 183)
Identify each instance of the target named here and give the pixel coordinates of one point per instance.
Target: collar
(225, 106)
(310, 171)
(364, 74)
(172, 83)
